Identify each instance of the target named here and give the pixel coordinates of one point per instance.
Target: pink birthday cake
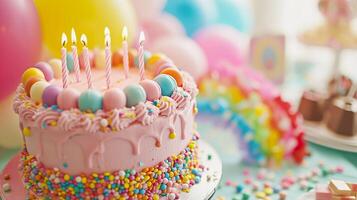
(93, 132)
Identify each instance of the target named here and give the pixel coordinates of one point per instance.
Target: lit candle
(108, 56)
(141, 56)
(64, 61)
(75, 55)
(87, 61)
(125, 52)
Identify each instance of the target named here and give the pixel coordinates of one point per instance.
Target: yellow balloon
(85, 16)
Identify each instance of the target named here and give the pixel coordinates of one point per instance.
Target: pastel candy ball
(114, 98)
(30, 82)
(46, 70)
(90, 101)
(174, 73)
(56, 65)
(70, 62)
(117, 58)
(37, 90)
(152, 89)
(132, 54)
(31, 72)
(167, 84)
(134, 95)
(147, 55)
(68, 99)
(50, 94)
(157, 60)
(99, 59)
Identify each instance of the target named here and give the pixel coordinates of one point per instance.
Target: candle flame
(64, 39)
(106, 31)
(84, 39)
(141, 38)
(125, 33)
(73, 36)
(107, 40)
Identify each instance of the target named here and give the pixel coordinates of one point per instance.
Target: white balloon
(146, 9)
(185, 53)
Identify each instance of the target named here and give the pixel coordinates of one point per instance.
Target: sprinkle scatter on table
(167, 179)
(262, 184)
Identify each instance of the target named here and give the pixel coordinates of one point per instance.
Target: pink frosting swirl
(167, 106)
(181, 97)
(23, 106)
(120, 119)
(27, 113)
(71, 120)
(45, 117)
(146, 113)
(95, 124)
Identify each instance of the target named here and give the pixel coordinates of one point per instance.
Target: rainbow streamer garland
(268, 130)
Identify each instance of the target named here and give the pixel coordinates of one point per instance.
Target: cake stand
(203, 191)
(318, 133)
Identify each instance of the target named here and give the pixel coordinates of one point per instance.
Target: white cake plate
(202, 191)
(210, 177)
(318, 133)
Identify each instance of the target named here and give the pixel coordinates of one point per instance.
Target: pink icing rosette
(167, 106)
(181, 97)
(45, 117)
(71, 120)
(119, 118)
(146, 113)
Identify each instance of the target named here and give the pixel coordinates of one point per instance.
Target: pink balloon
(148, 9)
(158, 27)
(222, 45)
(20, 41)
(184, 52)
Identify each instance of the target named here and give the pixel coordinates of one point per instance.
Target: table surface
(225, 142)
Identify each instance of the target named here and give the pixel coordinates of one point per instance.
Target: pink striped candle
(64, 61)
(75, 56)
(141, 56)
(108, 56)
(125, 52)
(87, 61)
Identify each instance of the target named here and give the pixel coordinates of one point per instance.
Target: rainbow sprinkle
(166, 179)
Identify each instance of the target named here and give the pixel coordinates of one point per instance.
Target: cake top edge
(43, 98)
(64, 85)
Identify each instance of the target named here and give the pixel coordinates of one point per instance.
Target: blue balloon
(232, 13)
(193, 14)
